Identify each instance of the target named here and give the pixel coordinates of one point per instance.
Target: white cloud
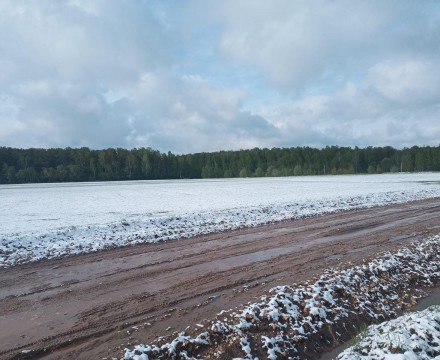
(298, 42)
(193, 115)
(303, 44)
(397, 103)
(409, 83)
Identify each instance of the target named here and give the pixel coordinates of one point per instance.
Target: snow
(286, 317)
(411, 336)
(50, 220)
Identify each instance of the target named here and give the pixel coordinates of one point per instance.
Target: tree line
(83, 164)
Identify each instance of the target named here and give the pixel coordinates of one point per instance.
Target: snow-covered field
(49, 220)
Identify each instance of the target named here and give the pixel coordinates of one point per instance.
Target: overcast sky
(190, 76)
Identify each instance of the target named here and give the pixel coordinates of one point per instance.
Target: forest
(84, 164)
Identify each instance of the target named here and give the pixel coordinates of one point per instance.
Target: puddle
(360, 249)
(334, 257)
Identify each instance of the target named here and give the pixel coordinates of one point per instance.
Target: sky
(204, 75)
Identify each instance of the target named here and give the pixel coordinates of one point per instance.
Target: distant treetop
(83, 164)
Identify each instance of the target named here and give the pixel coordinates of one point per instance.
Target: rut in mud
(86, 306)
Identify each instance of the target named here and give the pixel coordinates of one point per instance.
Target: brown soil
(86, 306)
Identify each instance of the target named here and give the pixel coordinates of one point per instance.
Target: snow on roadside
(23, 248)
(291, 321)
(411, 336)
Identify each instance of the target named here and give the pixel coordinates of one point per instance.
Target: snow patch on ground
(283, 321)
(409, 337)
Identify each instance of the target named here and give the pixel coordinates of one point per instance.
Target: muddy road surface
(92, 306)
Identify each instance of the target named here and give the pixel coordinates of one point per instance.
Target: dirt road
(91, 306)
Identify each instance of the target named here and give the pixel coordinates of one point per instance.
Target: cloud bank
(206, 75)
